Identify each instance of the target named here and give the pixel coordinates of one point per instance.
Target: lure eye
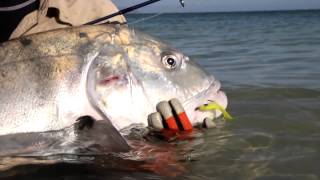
(170, 61)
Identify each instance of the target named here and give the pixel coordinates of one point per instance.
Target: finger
(165, 110)
(155, 121)
(181, 114)
(209, 123)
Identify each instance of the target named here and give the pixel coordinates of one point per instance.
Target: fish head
(139, 71)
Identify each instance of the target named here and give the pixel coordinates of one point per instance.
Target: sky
(220, 5)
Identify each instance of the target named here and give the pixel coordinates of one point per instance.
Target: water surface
(269, 65)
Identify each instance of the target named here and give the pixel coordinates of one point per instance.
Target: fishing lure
(215, 106)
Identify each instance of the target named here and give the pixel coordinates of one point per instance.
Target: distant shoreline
(231, 12)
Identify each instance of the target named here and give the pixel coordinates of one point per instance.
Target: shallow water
(269, 65)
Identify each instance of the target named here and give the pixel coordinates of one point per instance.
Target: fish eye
(170, 61)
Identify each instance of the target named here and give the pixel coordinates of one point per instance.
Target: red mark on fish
(109, 79)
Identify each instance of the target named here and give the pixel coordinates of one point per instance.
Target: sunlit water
(269, 66)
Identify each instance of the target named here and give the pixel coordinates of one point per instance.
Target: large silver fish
(110, 72)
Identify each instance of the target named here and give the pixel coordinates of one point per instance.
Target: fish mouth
(212, 93)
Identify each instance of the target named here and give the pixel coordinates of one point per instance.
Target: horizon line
(231, 11)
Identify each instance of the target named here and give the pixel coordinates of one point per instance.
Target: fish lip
(212, 92)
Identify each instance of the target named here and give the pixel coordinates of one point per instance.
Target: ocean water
(269, 66)
(268, 49)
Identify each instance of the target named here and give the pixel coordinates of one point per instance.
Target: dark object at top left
(9, 19)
